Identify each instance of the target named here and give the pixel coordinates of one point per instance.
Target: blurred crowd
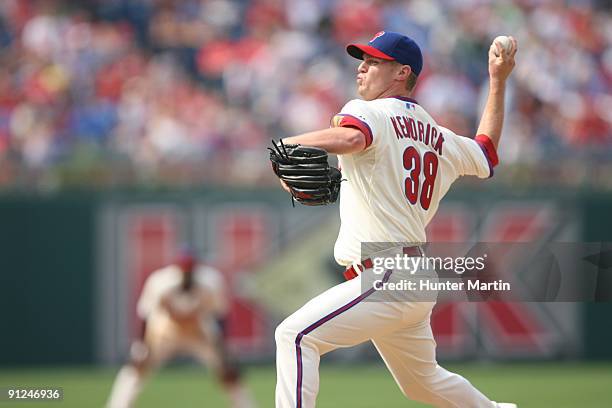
(189, 92)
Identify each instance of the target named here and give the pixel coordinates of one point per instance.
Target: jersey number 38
(414, 165)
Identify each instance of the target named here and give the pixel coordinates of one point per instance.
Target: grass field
(545, 385)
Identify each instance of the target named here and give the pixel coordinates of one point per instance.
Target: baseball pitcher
(396, 165)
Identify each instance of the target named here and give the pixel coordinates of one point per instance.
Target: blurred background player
(183, 308)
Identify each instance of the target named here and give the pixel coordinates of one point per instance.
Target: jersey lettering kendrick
(394, 186)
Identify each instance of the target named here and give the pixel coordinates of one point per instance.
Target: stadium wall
(47, 293)
(72, 264)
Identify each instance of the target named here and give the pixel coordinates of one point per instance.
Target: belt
(351, 272)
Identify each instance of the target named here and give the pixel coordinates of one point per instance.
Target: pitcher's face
(375, 76)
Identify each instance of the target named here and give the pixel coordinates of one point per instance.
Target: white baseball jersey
(392, 191)
(178, 322)
(162, 290)
(395, 185)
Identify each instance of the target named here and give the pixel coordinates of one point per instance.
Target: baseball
(504, 41)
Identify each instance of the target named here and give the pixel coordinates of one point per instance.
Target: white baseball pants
(344, 317)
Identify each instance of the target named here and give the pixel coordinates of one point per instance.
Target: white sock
(126, 388)
(240, 397)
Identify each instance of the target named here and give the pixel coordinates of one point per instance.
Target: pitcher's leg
(410, 356)
(340, 317)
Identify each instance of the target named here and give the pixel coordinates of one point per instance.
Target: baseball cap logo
(378, 34)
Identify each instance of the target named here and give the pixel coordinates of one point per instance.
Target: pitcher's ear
(404, 72)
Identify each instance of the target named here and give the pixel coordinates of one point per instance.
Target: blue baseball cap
(390, 46)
